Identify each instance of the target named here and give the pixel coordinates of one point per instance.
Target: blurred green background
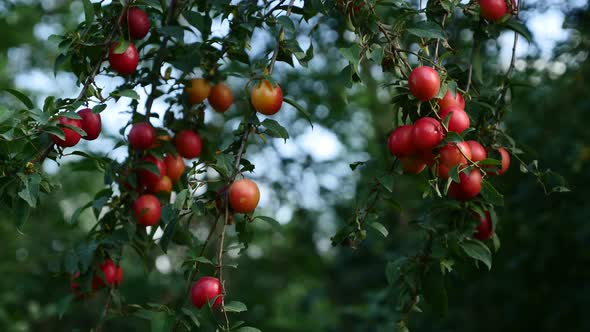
(292, 279)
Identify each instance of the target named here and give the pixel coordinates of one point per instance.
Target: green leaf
(76, 215)
(99, 203)
(85, 253)
(223, 165)
(286, 23)
(452, 87)
(201, 22)
(150, 167)
(5, 114)
(39, 116)
(380, 228)
(63, 305)
(235, 306)
(352, 54)
(168, 233)
(203, 260)
(434, 289)
(454, 173)
(393, 270)
(377, 54)
(58, 62)
(426, 29)
(304, 58)
(520, 28)
(153, 4)
(23, 210)
(274, 129)
(446, 265)
(88, 12)
(387, 182)
(356, 164)
(129, 93)
(173, 31)
(345, 76)
(453, 137)
(161, 322)
(490, 194)
(477, 64)
(122, 46)
(78, 130)
(247, 329)
(56, 131)
(300, 109)
(478, 251)
(496, 242)
(71, 115)
(20, 96)
(191, 316)
(270, 220)
(99, 108)
(180, 199)
(30, 192)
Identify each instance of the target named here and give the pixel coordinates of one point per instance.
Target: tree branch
(104, 55)
(40, 157)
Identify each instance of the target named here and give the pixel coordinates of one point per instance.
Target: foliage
(385, 34)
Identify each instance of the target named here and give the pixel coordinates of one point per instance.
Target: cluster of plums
(491, 10)
(418, 145)
(138, 25)
(266, 98)
(90, 123)
(243, 194)
(112, 275)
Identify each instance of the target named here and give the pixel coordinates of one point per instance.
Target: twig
(220, 263)
(474, 50)
(243, 139)
(40, 157)
(157, 65)
(421, 57)
(270, 11)
(438, 39)
(104, 311)
(393, 45)
(471, 162)
(279, 40)
(195, 268)
(509, 72)
(469, 78)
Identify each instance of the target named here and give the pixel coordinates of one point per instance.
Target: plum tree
(152, 202)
